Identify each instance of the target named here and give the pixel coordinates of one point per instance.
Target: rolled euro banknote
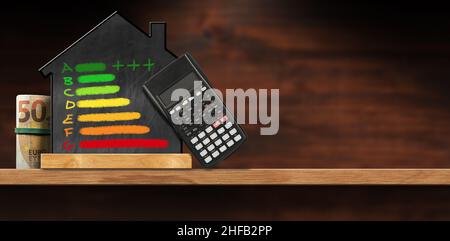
(32, 130)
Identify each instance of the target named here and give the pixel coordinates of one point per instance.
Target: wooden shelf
(228, 177)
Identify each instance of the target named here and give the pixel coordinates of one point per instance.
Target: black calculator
(198, 116)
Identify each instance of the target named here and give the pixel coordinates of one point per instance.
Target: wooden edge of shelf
(114, 161)
(227, 177)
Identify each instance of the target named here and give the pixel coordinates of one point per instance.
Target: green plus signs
(118, 65)
(133, 65)
(149, 65)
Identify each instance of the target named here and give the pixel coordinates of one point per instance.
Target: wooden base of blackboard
(115, 161)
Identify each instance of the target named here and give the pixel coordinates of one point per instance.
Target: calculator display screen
(187, 82)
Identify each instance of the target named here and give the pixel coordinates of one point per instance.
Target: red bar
(125, 143)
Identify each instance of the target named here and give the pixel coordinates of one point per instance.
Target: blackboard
(98, 103)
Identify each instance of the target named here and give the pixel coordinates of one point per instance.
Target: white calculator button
(210, 147)
(213, 136)
(228, 125)
(201, 135)
(221, 130)
(172, 111)
(230, 143)
(225, 137)
(215, 154)
(199, 146)
(233, 131)
(203, 153)
(206, 141)
(218, 142)
(194, 140)
(237, 138)
(209, 129)
(208, 159)
(222, 148)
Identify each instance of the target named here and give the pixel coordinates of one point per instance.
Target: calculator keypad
(210, 141)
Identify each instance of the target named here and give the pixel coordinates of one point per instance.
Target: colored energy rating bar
(97, 90)
(125, 143)
(96, 78)
(119, 116)
(102, 103)
(114, 130)
(90, 67)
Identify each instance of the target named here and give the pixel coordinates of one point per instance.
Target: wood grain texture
(114, 161)
(229, 177)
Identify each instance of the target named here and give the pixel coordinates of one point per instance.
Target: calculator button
(177, 108)
(222, 148)
(225, 137)
(221, 130)
(224, 119)
(209, 129)
(213, 136)
(233, 131)
(203, 88)
(216, 124)
(210, 147)
(206, 141)
(218, 142)
(194, 140)
(172, 111)
(237, 138)
(208, 159)
(201, 135)
(230, 143)
(228, 125)
(203, 153)
(199, 146)
(215, 154)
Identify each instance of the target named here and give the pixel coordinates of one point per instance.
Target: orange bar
(114, 130)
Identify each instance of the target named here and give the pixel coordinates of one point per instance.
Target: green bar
(36, 131)
(98, 90)
(90, 67)
(96, 78)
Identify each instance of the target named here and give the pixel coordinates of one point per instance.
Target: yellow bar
(119, 116)
(113, 130)
(102, 103)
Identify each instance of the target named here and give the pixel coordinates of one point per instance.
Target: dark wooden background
(362, 85)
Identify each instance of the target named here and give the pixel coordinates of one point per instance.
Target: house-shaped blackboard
(98, 103)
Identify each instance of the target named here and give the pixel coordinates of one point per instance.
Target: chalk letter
(68, 119)
(66, 68)
(68, 81)
(67, 94)
(67, 146)
(69, 104)
(68, 131)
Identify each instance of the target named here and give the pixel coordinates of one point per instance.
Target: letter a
(66, 68)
